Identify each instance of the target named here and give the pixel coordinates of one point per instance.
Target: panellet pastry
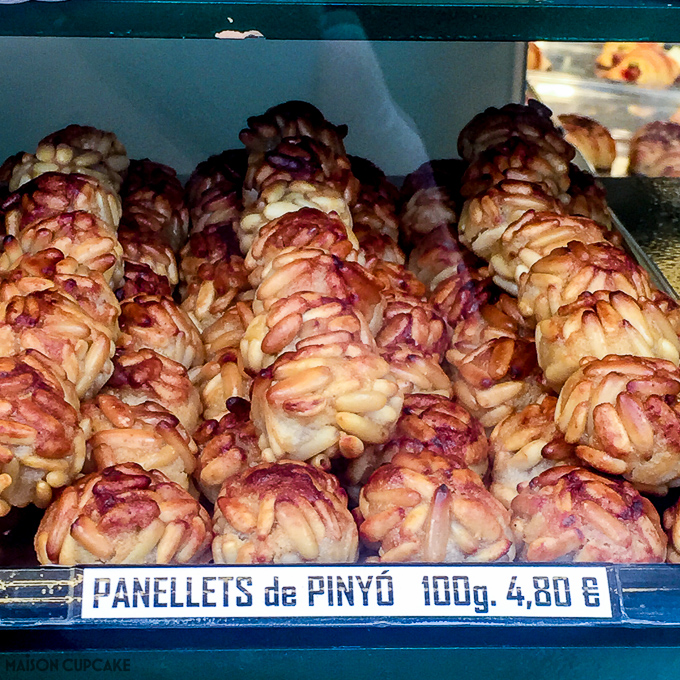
(300, 158)
(427, 508)
(305, 228)
(227, 331)
(282, 197)
(622, 414)
(146, 434)
(54, 193)
(61, 330)
(43, 448)
(75, 149)
(153, 200)
(561, 276)
(227, 446)
(672, 526)
(140, 279)
(519, 160)
(290, 119)
(283, 513)
(377, 246)
(146, 247)
(485, 218)
(655, 150)
(158, 323)
(325, 399)
(531, 123)
(79, 235)
(570, 514)
(124, 515)
(533, 236)
(602, 323)
(143, 375)
(592, 139)
(299, 321)
(297, 270)
(50, 270)
(524, 445)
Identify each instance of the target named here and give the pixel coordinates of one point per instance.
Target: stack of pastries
(466, 369)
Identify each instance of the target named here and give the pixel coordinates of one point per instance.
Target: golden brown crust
(326, 399)
(426, 508)
(622, 414)
(533, 236)
(158, 323)
(41, 446)
(569, 514)
(146, 375)
(646, 64)
(304, 228)
(145, 433)
(124, 515)
(283, 512)
(58, 328)
(50, 270)
(524, 445)
(516, 159)
(485, 218)
(227, 446)
(79, 235)
(602, 323)
(561, 276)
(54, 193)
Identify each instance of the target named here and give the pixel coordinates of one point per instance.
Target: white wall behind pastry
(178, 101)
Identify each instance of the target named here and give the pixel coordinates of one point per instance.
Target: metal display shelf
(484, 20)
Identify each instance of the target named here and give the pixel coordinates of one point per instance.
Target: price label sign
(512, 591)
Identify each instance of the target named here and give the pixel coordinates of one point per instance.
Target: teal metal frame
(487, 20)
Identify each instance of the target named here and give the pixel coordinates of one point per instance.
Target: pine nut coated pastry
(570, 514)
(54, 193)
(602, 323)
(485, 218)
(533, 236)
(124, 515)
(80, 235)
(655, 150)
(145, 375)
(587, 197)
(524, 445)
(58, 328)
(286, 512)
(531, 123)
(427, 508)
(621, 412)
(158, 323)
(77, 149)
(560, 277)
(146, 434)
(50, 270)
(41, 447)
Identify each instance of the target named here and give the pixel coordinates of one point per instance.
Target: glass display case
(405, 76)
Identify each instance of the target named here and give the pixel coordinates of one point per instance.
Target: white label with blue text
(524, 591)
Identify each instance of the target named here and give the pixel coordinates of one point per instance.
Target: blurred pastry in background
(647, 65)
(655, 150)
(613, 52)
(675, 118)
(592, 139)
(536, 60)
